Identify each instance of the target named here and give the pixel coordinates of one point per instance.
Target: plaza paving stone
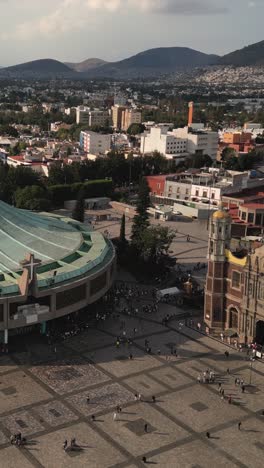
(55, 413)
(145, 385)
(199, 408)
(95, 451)
(133, 438)
(46, 395)
(165, 341)
(246, 445)
(7, 364)
(21, 421)
(3, 438)
(101, 399)
(17, 389)
(130, 323)
(191, 455)
(116, 360)
(67, 375)
(89, 340)
(170, 377)
(12, 457)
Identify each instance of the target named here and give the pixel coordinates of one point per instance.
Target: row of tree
(147, 251)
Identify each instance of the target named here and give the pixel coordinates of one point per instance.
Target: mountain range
(153, 62)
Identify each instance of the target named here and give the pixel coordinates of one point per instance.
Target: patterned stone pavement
(44, 396)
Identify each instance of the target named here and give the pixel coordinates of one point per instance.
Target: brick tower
(219, 241)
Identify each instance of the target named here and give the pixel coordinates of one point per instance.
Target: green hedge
(93, 188)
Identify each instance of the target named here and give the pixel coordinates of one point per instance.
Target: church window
(236, 279)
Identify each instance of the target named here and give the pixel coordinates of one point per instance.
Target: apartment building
(95, 143)
(116, 112)
(92, 118)
(129, 117)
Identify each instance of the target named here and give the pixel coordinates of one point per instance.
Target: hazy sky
(73, 30)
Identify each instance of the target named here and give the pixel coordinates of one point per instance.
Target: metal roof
(62, 244)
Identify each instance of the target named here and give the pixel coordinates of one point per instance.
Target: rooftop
(62, 244)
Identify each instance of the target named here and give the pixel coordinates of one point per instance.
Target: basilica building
(234, 292)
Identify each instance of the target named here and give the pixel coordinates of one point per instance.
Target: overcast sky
(73, 30)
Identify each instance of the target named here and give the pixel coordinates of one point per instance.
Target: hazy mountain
(86, 65)
(155, 62)
(150, 63)
(41, 68)
(250, 55)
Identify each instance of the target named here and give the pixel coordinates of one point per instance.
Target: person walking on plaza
(208, 435)
(144, 459)
(115, 416)
(88, 400)
(239, 425)
(154, 399)
(93, 417)
(146, 428)
(65, 445)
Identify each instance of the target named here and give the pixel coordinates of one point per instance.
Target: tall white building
(159, 139)
(179, 141)
(95, 143)
(199, 141)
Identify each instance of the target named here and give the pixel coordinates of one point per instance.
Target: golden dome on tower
(221, 214)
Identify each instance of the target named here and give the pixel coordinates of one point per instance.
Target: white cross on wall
(31, 264)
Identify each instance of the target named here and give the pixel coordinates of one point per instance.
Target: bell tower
(219, 241)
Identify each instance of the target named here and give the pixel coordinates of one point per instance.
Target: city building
(50, 267)
(180, 141)
(99, 118)
(199, 185)
(199, 140)
(92, 118)
(82, 115)
(129, 117)
(234, 293)
(163, 141)
(95, 143)
(241, 142)
(116, 113)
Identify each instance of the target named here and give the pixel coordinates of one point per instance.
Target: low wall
(123, 208)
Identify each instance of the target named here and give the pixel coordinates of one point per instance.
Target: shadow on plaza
(98, 346)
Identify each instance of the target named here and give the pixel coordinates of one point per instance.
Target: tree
(228, 153)
(33, 198)
(78, 212)
(155, 242)
(196, 161)
(141, 220)
(136, 129)
(122, 236)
